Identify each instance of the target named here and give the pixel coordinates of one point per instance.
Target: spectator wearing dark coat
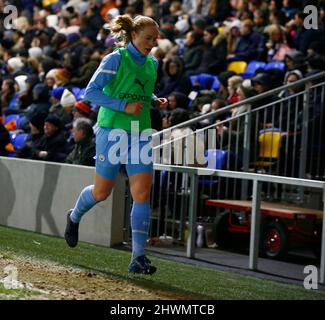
(40, 105)
(315, 64)
(173, 79)
(316, 48)
(262, 83)
(192, 52)
(219, 10)
(198, 25)
(72, 53)
(90, 62)
(84, 149)
(52, 146)
(213, 57)
(295, 60)
(250, 45)
(178, 100)
(288, 121)
(304, 37)
(95, 20)
(32, 142)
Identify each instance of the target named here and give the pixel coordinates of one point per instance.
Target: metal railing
(257, 179)
(283, 137)
(320, 75)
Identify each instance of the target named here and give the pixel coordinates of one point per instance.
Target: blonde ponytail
(123, 25)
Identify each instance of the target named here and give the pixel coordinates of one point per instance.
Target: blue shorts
(116, 148)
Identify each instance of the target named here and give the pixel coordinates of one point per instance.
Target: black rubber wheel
(274, 242)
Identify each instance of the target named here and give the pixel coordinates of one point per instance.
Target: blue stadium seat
(275, 65)
(216, 84)
(11, 117)
(206, 81)
(216, 159)
(251, 68)
(18, 140)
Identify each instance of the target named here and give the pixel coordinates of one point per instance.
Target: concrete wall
(35, 196)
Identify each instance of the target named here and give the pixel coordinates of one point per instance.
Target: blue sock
(84, 203)
(140, 221)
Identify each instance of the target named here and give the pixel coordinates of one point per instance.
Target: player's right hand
(134, 108)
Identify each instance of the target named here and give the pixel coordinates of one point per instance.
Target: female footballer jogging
(123, 86)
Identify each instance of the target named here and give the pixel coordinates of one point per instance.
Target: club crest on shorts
(101, 157)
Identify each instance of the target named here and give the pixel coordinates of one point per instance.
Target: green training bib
(132, 83)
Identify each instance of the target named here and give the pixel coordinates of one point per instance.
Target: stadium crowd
(48, 58)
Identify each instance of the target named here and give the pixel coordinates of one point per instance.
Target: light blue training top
(103, 75)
